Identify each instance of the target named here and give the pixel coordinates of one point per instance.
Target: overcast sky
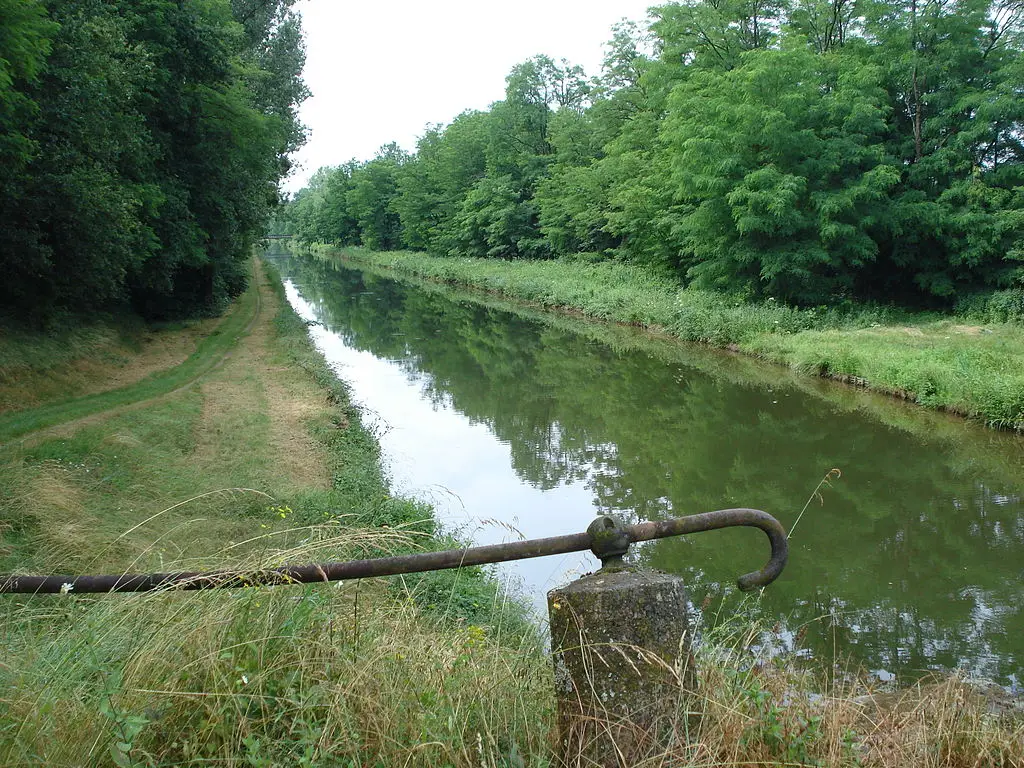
(381, 71)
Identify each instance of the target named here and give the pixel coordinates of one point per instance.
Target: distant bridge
(278, 237)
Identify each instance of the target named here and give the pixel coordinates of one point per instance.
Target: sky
(382, 71)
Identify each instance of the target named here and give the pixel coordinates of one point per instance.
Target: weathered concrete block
(625, 680)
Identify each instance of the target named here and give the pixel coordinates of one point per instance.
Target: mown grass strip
(961, 364)
(208, 353)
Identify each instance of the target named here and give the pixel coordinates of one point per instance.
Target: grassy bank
(82, 388)
(967, 365)
(89, 355)
(263, 461)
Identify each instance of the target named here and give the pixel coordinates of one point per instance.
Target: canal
(513, 423)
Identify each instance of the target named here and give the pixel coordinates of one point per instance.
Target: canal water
(514, 423)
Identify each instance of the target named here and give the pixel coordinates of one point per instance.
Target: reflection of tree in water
(914, 560)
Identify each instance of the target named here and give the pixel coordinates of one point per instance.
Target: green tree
(499, 217)
(782, 164)
(952, 74)
(218, 147)
(572, 201)
(319, 212)
(73, 222)
(434, 183)
(25, 38)
(143, 140)
(374, 186)
(713, 34)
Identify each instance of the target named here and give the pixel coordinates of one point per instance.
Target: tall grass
(328, 676)
(321, 675)
(759, 710)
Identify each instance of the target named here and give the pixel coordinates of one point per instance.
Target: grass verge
(963, 365)
(209, 352)
(89, 355)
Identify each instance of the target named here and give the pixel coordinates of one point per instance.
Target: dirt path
(253, 383)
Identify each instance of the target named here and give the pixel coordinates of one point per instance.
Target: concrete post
(624, 672)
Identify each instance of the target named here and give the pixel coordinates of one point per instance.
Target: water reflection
(914, 560)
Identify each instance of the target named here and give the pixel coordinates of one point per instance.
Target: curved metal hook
(726, 518)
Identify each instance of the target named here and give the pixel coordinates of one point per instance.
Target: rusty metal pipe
(414, 563)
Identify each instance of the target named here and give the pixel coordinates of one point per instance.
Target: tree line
(809, 150)
(141, 143)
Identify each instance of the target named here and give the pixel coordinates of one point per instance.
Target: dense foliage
(810, 150)
(141, 142)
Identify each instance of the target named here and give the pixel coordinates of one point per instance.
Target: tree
(952, 75)
(25, 39)
(144, 141)
(434, 183)
(73, 221)
(499, 217)
(783, 165)
(713, 34)
(826, 24)
(572, 201)
(374, 186)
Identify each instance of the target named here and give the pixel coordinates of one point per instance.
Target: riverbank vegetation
(141, 145)
(264, 460)
(965, 364)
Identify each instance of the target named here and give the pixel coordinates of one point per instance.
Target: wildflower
(66, 587)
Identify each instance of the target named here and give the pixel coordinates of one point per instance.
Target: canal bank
(261, 460)
(971, 366)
